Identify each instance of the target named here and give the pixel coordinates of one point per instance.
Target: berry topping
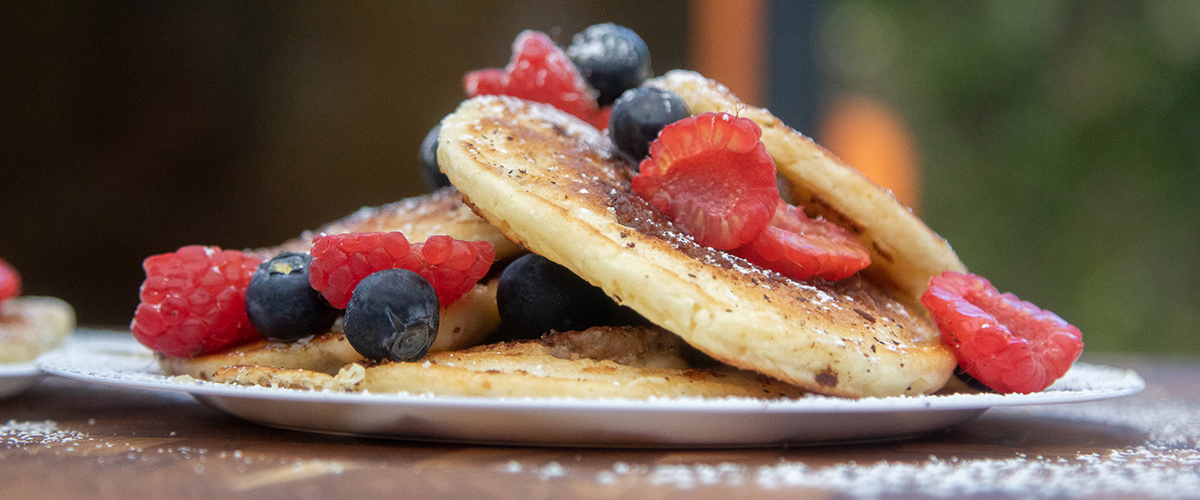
(194, 301)
(539, 72)
(536, 295)
(431, 173)
(10, 281)
(713, 177)
(800, 248)
(281, 304)
(341, 261)
(1005, 343)
(613, 59)
(454, 266)
(393, 315)
(639, 115)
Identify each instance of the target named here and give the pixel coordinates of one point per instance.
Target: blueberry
(393, 315)
(430, 173)
(639, 115)
(613, 59)
(281, 304)
(536, 295)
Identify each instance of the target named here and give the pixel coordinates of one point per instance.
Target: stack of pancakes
(548, 183)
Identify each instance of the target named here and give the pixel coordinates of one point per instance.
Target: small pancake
(31, 325)
(556, 186)
(325, 353)
(904, 251)
(464, 323)
(441, 212)
(645, 362)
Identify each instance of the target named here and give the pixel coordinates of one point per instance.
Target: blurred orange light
(728, 44)
(867, 135)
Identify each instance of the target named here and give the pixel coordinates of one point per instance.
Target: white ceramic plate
(15, 378)
(573, 422)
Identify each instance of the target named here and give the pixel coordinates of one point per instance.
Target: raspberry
(711, 175)
(341, 261)
(1003, 342)
(541, 72)
(194, 301)
(10, 281)
(800, 248)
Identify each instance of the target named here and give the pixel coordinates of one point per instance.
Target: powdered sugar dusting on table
(15, 434)
(1166, 465)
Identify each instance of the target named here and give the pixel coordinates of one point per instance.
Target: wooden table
(66, 439)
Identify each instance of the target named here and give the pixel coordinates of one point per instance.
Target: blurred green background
(1060, 143)
(1059, 140)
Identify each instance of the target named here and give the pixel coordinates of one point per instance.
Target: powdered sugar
(1165, 465)
(15, 434)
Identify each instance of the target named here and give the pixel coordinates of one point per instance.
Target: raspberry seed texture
(712, 176)
(341, 261)
(802, 248)
(540, 72)
(193, 301)
(1007, 344)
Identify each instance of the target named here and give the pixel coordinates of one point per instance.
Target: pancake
(463, 324)
(31, 325)
(602, 362)
(556, 186)
(325, 353)
(905, 253)
(439, 213)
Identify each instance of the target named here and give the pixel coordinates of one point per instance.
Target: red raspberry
(10, 281)
(341, 261)
(800, 248)
(454, 266)
(1005, 343)
(712, 176)
(194, 301)
(540, 72)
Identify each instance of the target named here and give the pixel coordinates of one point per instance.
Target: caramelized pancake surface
(555, 185)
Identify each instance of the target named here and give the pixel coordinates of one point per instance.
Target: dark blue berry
(281, 304)
(392, 315)
(613, 59)
(536, 295)
(430, 173)
(639, 115)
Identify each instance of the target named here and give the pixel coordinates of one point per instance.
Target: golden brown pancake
(557, 187)
(439, 213)
(603, 362)
(31, 325)
(904, 251)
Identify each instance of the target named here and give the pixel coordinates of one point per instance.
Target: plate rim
(19, 369)
(117, 360)
(809, 404)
